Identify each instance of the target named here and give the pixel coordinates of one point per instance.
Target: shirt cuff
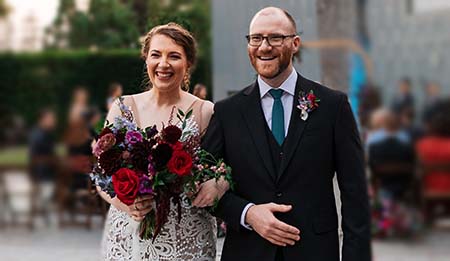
(244, 212)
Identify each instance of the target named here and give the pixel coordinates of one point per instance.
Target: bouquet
(133, 162)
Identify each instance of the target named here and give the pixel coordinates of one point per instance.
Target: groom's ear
(296, 43)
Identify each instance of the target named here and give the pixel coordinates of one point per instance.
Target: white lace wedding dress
(193, 238)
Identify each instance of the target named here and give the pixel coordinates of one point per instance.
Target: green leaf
(188, 115)
(181, 112)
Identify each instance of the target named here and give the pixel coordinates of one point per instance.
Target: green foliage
(107, 24)
(34, 81)
(3, 8)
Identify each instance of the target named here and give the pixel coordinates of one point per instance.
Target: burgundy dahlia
(171, 134)
(110, 161)
(120, 137)
(161, 155)
(139, 155)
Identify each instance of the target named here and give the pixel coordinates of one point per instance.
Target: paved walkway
(79, 244)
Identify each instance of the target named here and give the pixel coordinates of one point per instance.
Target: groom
(284, 159)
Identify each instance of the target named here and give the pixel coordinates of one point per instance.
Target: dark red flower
(105, 131)
(126, 185)
(180, 163)
(161, 155)
(171, 134)
(177, 146)
(120, 137)
(311, 97)
(110, 161)
(139, 155)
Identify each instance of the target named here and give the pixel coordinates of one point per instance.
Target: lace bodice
(193, 238)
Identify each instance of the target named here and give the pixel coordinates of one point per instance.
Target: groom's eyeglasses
(256, 40)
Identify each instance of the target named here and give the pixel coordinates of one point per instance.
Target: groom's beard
(284, 59)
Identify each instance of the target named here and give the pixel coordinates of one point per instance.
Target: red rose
(177, 146)
(180, 163)
(126, 185)
(311, 97)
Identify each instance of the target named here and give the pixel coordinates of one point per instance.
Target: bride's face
(166, 63)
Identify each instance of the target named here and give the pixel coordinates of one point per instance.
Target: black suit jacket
(314, 150)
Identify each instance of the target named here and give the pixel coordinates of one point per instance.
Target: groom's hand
(262, 220)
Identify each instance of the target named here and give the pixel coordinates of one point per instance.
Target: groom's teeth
(266, 58)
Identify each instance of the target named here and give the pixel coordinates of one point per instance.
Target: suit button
(279, 194)
(281, 155)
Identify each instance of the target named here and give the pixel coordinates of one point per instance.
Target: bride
(169, 52)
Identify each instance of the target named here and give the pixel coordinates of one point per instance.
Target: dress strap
(200, 120)
(135, 110)
(196, 107)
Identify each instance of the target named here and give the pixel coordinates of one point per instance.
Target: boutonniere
(307, 102)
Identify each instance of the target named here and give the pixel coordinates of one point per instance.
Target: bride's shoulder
(136, 98)
(205, 106)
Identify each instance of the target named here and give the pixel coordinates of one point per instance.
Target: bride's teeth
(163, 74)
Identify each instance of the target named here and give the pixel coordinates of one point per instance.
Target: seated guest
(42, 158)
(391, 161)
(435, 147)
(390, 155)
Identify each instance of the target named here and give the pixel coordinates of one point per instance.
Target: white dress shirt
(288, 86)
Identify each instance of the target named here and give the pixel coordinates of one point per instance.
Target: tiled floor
(79, 244)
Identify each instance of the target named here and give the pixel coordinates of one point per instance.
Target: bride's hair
(182, 37)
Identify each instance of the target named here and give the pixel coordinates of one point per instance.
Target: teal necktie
(277, 115)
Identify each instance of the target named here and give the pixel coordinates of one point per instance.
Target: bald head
(276, 13)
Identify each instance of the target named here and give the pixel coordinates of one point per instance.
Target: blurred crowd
(407, 149)
(408, 156)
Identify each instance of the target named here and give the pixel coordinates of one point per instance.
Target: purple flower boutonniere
(307, 103)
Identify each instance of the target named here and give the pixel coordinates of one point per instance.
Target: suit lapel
(296, 127)
(255, 120)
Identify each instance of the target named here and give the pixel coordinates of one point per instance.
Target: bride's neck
(166, 97)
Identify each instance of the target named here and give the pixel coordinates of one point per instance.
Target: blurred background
(62, 63)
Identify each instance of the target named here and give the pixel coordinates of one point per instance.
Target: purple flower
(133, 137)
(151, 169)
(145, 185)
(151, 131)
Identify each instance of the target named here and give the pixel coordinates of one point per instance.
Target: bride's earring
(186, 81)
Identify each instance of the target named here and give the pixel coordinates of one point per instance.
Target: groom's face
(272, 61)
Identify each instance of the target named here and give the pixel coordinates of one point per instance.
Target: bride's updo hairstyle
(182, 37)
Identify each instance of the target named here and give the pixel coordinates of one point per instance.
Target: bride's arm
(210, 191)
(113, 201)
(213, 189)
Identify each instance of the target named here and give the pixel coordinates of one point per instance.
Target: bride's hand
(209, 191)
(137, 211)
(141, 207)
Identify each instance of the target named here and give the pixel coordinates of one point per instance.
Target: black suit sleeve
(230, 205)
(353, 186)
